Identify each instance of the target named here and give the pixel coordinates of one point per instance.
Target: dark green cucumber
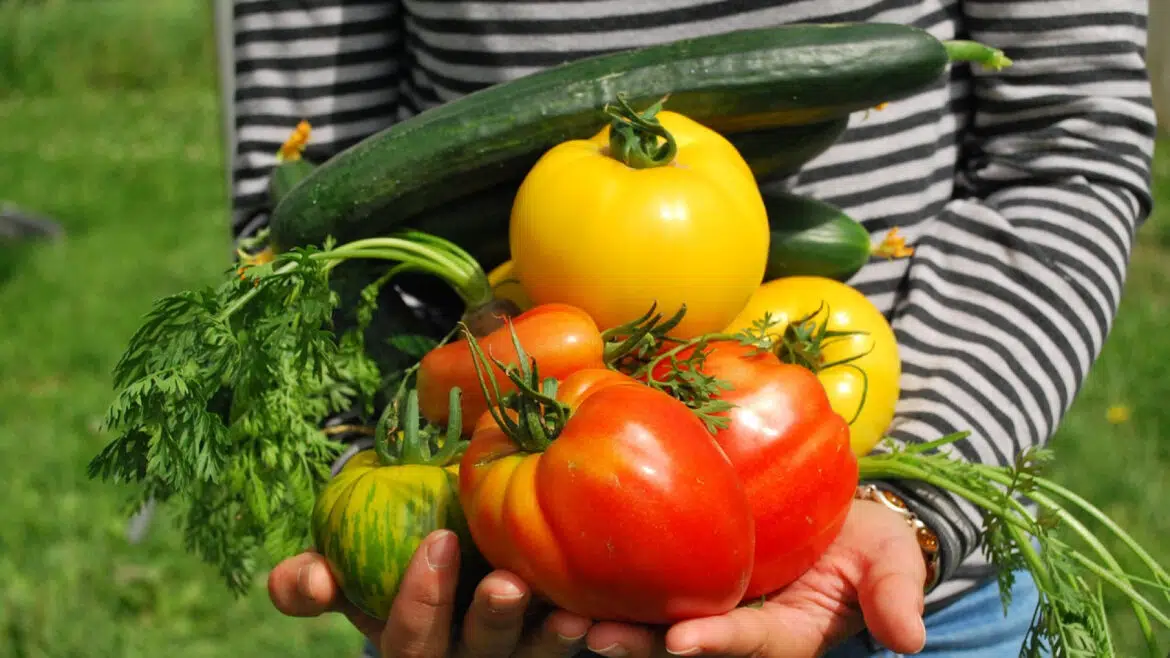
(733, 82)
(775, 153)
(813, 238)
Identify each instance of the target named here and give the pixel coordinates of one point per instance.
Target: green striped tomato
(369, 519)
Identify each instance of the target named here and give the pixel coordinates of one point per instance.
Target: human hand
(421, 618)
(870, 577)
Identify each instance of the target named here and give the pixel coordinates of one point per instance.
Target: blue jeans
(973, 626)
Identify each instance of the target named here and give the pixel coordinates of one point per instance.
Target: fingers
(892, 600)
(615, 640)
(495, 619)
(419, 624)
(301, 586)
(741, 632)
(495, 624)
(562, 634)
(890, 589)
(778, 630)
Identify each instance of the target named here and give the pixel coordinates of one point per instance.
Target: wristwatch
(927, 539)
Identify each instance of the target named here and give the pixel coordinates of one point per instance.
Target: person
(1019, 190)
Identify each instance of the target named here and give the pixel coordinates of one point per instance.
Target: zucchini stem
(959, 50)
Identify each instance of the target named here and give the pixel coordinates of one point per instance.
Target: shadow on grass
(21, 233)
(12, 257)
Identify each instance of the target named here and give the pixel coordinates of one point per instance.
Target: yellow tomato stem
(803, 343)
(634, 138)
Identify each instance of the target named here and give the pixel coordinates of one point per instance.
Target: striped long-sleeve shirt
(1020, 190)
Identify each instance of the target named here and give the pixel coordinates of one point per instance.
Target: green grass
(53, 46)
(129, 160)
(124, 149)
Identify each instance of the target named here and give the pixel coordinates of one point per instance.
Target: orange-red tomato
(865, 392)
(562, 338)
(632, 513)
(791, 450)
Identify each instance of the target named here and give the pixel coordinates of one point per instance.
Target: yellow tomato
(590, 230)
(867, 400)
(505, 285)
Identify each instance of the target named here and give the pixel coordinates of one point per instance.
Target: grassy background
(111, 125)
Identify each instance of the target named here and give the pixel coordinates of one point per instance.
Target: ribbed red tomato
(792, 453)
(631, 512)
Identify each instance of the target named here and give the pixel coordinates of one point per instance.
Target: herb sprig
(1070, 618)
(221, 393)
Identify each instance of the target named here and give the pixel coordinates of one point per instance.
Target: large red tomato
(792, 453)
(631, 513)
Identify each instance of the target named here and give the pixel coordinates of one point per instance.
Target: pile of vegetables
(661, 349)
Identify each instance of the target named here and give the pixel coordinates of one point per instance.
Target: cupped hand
(422, 616)
(870, 577)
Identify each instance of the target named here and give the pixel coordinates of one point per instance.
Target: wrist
(924, 534)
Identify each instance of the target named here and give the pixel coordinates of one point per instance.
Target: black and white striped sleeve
(1014, 285)
(334, 63)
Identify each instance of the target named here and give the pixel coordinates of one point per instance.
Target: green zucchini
(812, 238)
(733, 82)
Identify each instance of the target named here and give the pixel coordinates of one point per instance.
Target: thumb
(420, 618)
(890, 588)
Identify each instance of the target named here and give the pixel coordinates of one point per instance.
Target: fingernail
(922, 622)
(441, 551)
(612, 651)
(570, 640)
(305, 578)
(505, 598)
(685, 652)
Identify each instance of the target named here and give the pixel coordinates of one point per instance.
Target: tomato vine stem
(417, 444)
(633, 137)
(539, 415)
